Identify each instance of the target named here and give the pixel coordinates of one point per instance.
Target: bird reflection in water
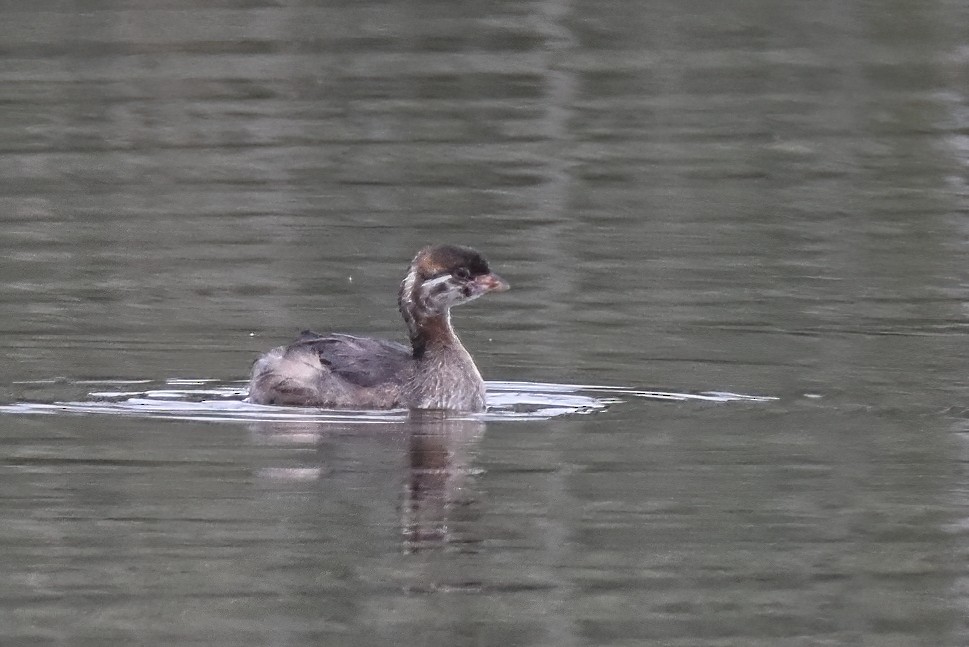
(435, 450)
(438, 503)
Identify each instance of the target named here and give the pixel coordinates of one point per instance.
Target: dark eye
(462, 273)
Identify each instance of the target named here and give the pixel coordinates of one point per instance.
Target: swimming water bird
(346, 371)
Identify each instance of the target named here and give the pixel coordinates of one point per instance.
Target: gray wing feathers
(363, 361)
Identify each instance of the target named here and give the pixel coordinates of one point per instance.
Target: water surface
(688, 198)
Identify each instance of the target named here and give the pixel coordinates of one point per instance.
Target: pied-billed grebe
(365, 373)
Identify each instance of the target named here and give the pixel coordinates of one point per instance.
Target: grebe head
(443, 276)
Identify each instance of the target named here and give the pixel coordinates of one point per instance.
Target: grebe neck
(428, 327)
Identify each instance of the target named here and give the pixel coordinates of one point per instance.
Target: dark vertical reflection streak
(437, 502)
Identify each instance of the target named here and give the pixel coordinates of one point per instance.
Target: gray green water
(751, 197)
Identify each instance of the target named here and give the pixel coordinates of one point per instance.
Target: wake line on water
(202, 399)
